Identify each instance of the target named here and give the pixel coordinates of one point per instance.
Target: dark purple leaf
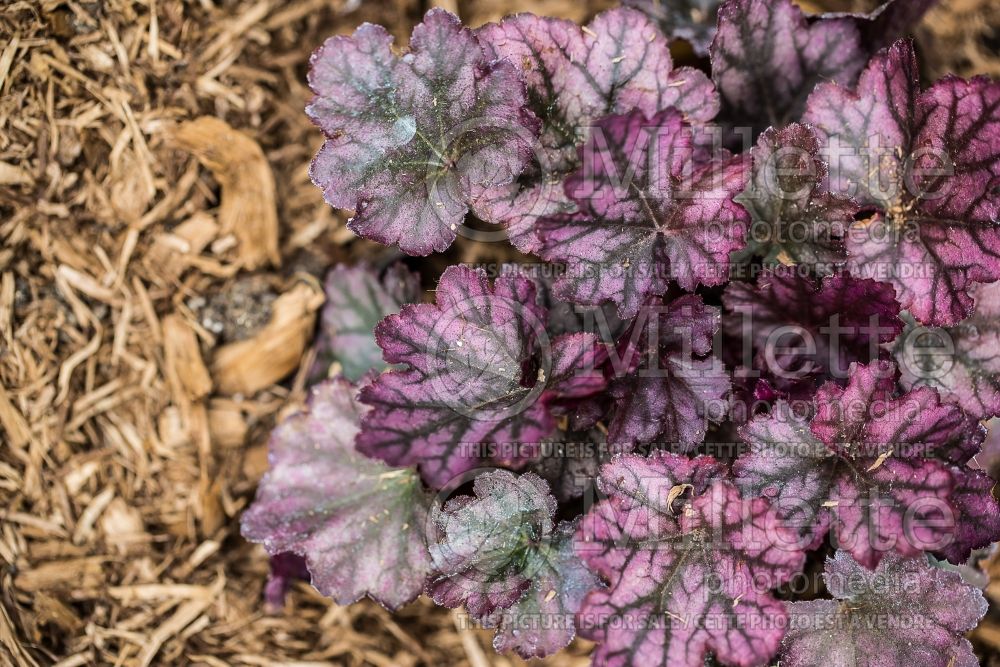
(803, 331)
(887, 22)
(668, 386)
(695, 20)
(356, 299)
(412, 140)
(646, 214)
(690, 20)
(571, 461)
(575, 76)
(479, 369)
(961, 362)
(286, 569)
(767, 57)
(689, 566)
(902, 614)
(934, 235)
(794, 220)
(358, 523)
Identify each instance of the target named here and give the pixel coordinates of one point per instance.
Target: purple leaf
(501, 555)
(286, 568)
(767, 57)
(695, 20)
(671, 599)
(880, 470)
(356, 299)
(803, 331)
(646, 214)
(412, 140)
(479, 369)
(571, 461)
(904, 613)
(887, 22)
(961, 362)
(934, 235)
(690, 20)
(575, 76)
(669, 385)
(358, 523)
(795, 220)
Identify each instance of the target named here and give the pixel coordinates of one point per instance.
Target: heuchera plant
(763, 332)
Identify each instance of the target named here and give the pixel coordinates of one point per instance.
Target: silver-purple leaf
(501, 555)
(647, 214)
(543, 620)
(358, 523)
(767, 57)
(961, 362)
(412, 140)
(928, 164)
(669, 387)
(794, 219)
(574, 76)
(479, 370)
(903, 613)
(356, 299)
(689, 566)
(482, 540)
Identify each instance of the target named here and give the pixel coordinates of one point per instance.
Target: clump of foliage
(729, 361)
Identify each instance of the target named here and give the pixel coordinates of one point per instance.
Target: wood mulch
(160, 266)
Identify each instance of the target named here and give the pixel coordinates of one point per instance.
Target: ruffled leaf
(803, 331)
(646, 214)
(669, 386)
(886, 473)
(356, 299)
(906, 612)
(358, 523)
(794, 219)
(412, 140)
(479, 369)
(575, 76)
(961, 362)
(501, 555)
(543, 620)
(929, 163)
(482, 541)
(689, 566)
(767, 57)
